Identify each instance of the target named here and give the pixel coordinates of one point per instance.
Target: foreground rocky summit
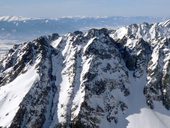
(94, 79)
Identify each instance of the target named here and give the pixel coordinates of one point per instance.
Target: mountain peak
(92, 79)
(166, 23)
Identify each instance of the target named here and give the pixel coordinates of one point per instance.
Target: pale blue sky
(60, 8)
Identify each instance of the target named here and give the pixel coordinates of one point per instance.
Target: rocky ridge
(92, 79)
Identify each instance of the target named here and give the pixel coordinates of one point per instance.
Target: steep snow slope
(12, 95)
(91, 79)
(148, 119)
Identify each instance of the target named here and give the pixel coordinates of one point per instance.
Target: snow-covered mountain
(100, 78)
(148, 32)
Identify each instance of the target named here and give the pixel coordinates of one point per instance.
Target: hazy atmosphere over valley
(84, 64)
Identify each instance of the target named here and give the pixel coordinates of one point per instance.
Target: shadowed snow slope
(148, 118)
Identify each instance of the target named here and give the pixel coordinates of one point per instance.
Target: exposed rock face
(84, 79)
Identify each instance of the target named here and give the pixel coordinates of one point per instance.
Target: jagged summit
(146, 31)
(165, 23)
(92, 79)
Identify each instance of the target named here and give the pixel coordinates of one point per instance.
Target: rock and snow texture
(100, 79)
(148, 32)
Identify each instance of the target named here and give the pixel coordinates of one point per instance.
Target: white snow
(155, 57)
(166, 23)
(56, 42)
(121, 32)
(148, 118)
(12, 94)
(66, 88)
(79, 95)
(88, 44)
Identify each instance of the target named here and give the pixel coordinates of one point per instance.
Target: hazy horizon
(43, 17)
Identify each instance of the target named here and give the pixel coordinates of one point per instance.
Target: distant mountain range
(14, 29)
(20, 28)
